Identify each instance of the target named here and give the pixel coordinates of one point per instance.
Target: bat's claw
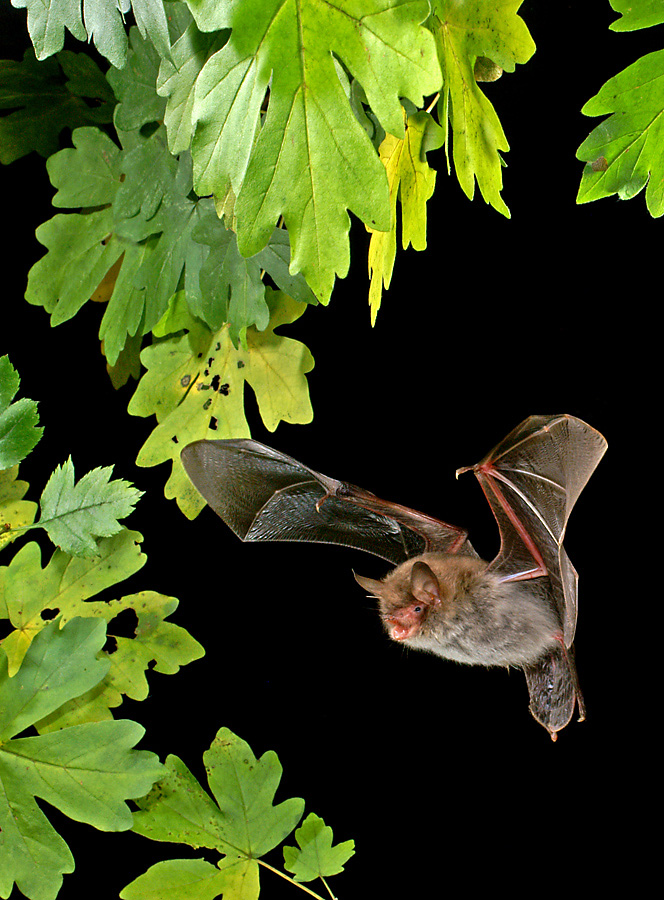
(463, 470)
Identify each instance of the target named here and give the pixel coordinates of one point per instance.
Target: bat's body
(519, 609)
(461, 611)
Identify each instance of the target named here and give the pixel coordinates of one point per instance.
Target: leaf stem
(292, 880)
(433, 103)
(327, 886)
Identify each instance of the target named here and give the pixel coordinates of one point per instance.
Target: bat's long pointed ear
(369, 584)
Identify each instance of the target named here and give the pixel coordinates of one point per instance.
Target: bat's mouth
(399, 631)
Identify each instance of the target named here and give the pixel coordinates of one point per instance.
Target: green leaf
(29, 595)
(177, 80)
(465, 32)
(637, 14)
(74, 514)
(87, 771)
(244, 823)
(66, 581)
(196, 879)
(385, 47)
(626, 151)
(104, 23)
(15, 512)
(194, 384)
(47, 97)
(316, 857)
(19, 431)
(156, 645)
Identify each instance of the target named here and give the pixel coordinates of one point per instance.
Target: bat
(520, 609)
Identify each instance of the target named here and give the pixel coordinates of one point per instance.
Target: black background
(436, 770)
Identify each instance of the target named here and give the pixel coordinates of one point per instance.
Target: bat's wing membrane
(532, 479)
(264, 495)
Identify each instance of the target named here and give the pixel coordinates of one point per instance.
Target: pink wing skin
(532, 479)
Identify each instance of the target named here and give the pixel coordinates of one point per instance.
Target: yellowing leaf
(194, 384)
(411, 178)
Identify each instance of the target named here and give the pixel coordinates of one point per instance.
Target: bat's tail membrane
(554, 690)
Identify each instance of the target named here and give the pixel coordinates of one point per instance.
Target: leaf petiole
(296, 883)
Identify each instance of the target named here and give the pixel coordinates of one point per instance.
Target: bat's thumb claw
(463, 470)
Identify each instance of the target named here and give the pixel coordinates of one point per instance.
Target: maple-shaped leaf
(177, 81)
(75, 513)
(27, 590)
(194, 384)
(626, 151)
(316, 857)
(19, 428)
(412, 180)
(45, 98)
(86, 771)
(244, 823)
(464, 33)
(16, 514)
(637, 14)
(156, 645)
(310, 161)
(98, 20)
(30, 595)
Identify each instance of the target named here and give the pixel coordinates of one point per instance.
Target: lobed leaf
(316, 857)
(466, 32)
(19, 431)
(194, 384)
(295, 165)
(626, 151)
(74, 514)
(637, 14)
(67, 581)
(244, 824)
(98, 20)
(87, 772)
(15, 512)
(46, 97)
(410, 178)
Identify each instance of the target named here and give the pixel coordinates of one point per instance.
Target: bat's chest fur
(493, 624)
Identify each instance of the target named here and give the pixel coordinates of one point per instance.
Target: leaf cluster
(61, 670)
(242, 823)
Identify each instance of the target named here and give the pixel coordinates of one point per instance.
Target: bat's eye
(417, 609)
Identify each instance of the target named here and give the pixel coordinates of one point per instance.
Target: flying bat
(520, 609)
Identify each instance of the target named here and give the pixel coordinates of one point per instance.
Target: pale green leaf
(28, 590)
(98, 20)
(194, 384)
(189, 879)
(626, 151)
(74, 514)
(316, 857)
(290, 46)
(465, 32)
(19, 429)
(15, 512)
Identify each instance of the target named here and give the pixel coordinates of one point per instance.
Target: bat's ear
(369, 584)
(424, 585)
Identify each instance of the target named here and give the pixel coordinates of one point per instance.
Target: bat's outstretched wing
(264, 495)
(532, 479)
